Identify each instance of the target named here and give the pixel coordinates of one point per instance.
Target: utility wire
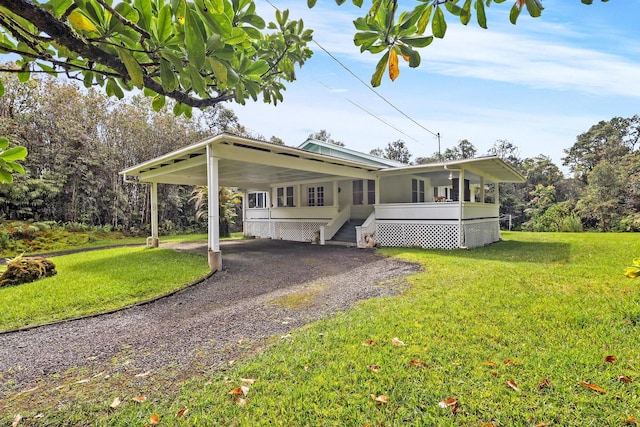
(370, 88)
(381, 119)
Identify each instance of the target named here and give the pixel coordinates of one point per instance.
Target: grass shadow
(513, 251)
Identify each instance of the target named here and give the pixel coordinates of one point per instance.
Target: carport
(230, 161)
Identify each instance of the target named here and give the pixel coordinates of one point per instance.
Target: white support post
(377, 184)
(336, 195)
(461, 201)
(154, 216)
(244, 210)
(497, 199)
(482, 189)
(215, 256)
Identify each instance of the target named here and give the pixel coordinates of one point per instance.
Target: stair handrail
(332, 227)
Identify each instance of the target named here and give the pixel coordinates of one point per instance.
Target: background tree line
(79, 139)
(602, 192)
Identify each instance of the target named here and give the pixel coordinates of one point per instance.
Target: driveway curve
(266, 288)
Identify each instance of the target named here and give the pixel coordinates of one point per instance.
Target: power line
(381, 119)
(437, 135)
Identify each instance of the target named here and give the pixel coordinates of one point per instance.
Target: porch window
(285, 197)
(417, 191)
(358, 193)
(316, 196)
(371, 191)
(257, 200)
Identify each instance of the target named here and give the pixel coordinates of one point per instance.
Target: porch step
(347, 232)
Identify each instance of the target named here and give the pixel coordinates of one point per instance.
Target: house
(319, 191)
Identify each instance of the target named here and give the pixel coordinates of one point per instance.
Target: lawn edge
(114, 310)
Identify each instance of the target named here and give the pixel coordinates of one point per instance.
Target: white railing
(365, 232)
(418, 211)
(305, 212)
(329, 230)
(471, 210)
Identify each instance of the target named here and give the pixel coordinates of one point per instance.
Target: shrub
(25, 270)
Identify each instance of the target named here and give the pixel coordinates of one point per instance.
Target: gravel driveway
(210, 323)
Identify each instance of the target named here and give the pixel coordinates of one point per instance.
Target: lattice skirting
(481, 233)
(416, 234)
(259, 229)
(295, 231)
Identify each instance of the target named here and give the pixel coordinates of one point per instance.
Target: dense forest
(78, 141)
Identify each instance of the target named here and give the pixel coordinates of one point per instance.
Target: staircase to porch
(347, 232)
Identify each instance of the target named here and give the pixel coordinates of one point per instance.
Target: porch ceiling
(245, 163)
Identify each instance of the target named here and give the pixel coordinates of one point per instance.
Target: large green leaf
(13, 154)
(4, 143)
(194, 40)
(164, 24)
(167, 76)
(480, 14)
(5, 177)
(439, 24)
(376, 79)
(417, 41)
(133, 68)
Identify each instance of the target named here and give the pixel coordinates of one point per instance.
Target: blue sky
(537, 84)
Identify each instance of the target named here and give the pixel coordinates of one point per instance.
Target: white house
(322, 193)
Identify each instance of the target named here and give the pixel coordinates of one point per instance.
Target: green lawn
(534, 307)
(541, 312)
(100, 280)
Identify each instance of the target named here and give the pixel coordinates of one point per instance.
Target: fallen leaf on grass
(418, 363)
(16, 420)
(248, 380)
(116, 402)
(369, 343)
(182, 412)
(631, 420)
(242, 390)
(449, 401)
(373, 368)
(154, 419)
(593, 387)
(380, 399)
(240, 401)
(395, 341)
(86, 380)
(544, 383)
(487, 424)
(38, 416)
(144, 374)
(625, 379)
(513, 385)
(543, 425)
(141, 398)
(489, 363)
(610, 359)
(495, 374)
(510, 362)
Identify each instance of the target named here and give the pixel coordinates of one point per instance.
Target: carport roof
(246, 163)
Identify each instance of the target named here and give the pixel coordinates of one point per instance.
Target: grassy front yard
(538, 330)
(91, 282)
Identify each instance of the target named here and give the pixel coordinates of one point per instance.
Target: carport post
(154, 215)
(213, 201)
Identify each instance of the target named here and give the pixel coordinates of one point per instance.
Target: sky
(537, 84)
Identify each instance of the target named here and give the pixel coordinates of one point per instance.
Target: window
(371, 192)
(316, 196)
(358, 193)
(284, 196)
(417, 191)
(257, 200)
